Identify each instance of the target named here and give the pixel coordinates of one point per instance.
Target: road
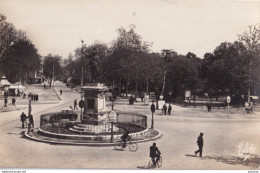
(221, 141)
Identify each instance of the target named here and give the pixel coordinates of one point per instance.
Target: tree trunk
(136, 88)
(120, 85)
(127, 84)
(147, 85)
(248, 92)
(113, 85)
(164, 76)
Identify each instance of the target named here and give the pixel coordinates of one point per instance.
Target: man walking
(31, 121)
(60, 92)
(75, 104)
(13, 102)
(169, 109)
(5, 102)
(23, 119)
(200, 144)
(164, 109)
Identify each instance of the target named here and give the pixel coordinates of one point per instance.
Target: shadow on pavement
(10, 133)
(253, 161)
(143, 167)
(189, 155)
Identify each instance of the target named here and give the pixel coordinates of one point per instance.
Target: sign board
(112, 116)
(160, 104)
(228, 99)
(187, 94)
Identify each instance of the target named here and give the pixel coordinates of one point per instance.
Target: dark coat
(169, 108)
(153, 151)
(200, 141)
(30, 118)
(23, 117)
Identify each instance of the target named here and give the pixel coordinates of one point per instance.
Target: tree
(182, 75)
(52, 67)
(126, 50)
(21, 61)
(251, 40)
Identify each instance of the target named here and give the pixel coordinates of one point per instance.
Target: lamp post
(81, 104)
(112, 102)
(153, 110)
(228, 99)
(29, 104)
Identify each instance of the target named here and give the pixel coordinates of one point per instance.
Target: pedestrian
(200, 144)
(142, 97)
(23, 119)
(131, 100)
(31, 122)
(169, 109)
(44, 86)
(60, 92)
(164, 108)
(13, 102)
(75, 104)
(209, 107)
(5, 102)
(36, 97)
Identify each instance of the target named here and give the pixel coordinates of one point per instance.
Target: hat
(201, 133)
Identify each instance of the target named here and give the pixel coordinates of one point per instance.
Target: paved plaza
(224, 138)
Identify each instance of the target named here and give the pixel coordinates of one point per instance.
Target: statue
(94, 64)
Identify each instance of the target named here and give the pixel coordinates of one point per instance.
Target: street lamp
(161, 97)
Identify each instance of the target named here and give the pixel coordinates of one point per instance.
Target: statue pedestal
(94, 98)
(95, 115)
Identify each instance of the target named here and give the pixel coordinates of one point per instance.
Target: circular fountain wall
(64, 125)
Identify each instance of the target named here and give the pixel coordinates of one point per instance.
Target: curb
(87, 143)
(57, 94)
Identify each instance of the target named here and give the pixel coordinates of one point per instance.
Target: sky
(197, 26)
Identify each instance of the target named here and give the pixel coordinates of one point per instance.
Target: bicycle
(158, 163)
(132, 145)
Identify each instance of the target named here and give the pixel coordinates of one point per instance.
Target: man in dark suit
(200, 144)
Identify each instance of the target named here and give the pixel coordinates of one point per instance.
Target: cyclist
(154, 152)
(125, 137)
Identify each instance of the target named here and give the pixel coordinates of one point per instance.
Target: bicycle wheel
(159, 163)
(133, 147)
(118, 145)
(150, 164)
